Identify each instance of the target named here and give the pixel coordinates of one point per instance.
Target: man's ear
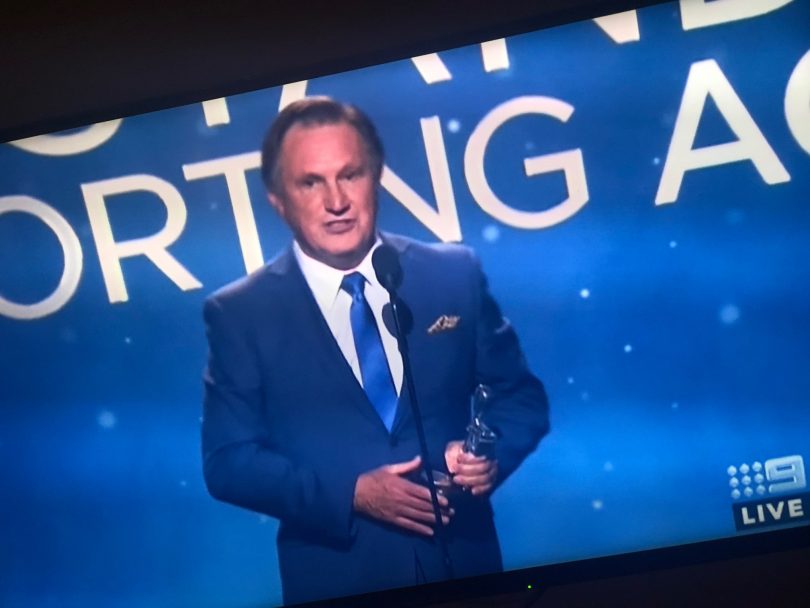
(276, 203)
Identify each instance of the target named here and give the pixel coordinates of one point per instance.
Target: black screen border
(24, 117)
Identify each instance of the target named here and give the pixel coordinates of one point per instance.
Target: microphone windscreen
(386, 264)
(405, 318)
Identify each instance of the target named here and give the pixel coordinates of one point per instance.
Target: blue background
(689, 354)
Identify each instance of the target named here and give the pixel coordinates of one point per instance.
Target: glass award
(481, 439)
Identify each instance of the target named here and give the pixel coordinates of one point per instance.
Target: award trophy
(480, 439)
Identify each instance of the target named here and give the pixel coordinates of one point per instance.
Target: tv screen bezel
(474, 29)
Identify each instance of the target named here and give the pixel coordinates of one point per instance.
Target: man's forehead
(329, 130)
(322, 143)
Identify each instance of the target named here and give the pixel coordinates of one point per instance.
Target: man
(306, 416)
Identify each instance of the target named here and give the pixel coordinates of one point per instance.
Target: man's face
(327, 193)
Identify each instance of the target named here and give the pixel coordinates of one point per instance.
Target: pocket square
(444, 323)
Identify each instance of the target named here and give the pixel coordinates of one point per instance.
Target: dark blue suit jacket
(287, 429)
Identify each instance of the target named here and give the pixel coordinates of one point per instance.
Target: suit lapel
(311, 328)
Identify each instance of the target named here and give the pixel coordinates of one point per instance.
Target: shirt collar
(325, 281)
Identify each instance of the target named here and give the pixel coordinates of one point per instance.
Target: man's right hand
(386, 495)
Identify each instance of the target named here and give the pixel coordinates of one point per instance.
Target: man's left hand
(477, 474)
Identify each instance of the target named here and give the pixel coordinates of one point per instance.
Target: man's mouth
(339, 226)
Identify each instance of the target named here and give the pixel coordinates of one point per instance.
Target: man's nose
(336, 200)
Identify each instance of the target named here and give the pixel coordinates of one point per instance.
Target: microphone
(397, 316)
(404, 317)
(385, 260)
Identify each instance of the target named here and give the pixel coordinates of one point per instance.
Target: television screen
(601, 230)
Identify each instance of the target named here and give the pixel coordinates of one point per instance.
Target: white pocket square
(444, 323)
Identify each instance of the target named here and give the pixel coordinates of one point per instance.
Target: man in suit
(306, 415)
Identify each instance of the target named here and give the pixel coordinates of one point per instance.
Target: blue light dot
(597, 505)
(585, 293)
(673, 244)
(744, 469)
(106, 420)
(729, 314)
(491, 233)
(453, 125)
(760, 490)
(733, 482)
(735, 494)
(756, 467)
(732, 470)
(735, 216)
(748, 491)
(628, 348)
(68, 335)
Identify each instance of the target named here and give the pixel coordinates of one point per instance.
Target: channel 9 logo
(769, 494)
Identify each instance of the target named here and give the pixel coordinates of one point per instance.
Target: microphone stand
(402, 341)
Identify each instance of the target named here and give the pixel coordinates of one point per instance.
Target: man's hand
(475, 473)
(385, 495)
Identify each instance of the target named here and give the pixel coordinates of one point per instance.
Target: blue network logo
(780, 474)
(759, 482)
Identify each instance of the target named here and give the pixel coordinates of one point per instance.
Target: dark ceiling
(67, 64)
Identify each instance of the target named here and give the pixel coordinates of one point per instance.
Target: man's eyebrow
(353, 168)
(310, 177)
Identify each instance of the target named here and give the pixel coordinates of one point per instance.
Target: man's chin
(344, 258)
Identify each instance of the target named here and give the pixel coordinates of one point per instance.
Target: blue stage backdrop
(638, 189)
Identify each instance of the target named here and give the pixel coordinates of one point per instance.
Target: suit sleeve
(519, 412)
(239, 463)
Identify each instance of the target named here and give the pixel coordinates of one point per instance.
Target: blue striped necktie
(377, 381)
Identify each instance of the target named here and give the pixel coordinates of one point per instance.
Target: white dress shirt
(335, 304)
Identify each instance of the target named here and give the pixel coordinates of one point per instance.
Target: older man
(306, 417)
